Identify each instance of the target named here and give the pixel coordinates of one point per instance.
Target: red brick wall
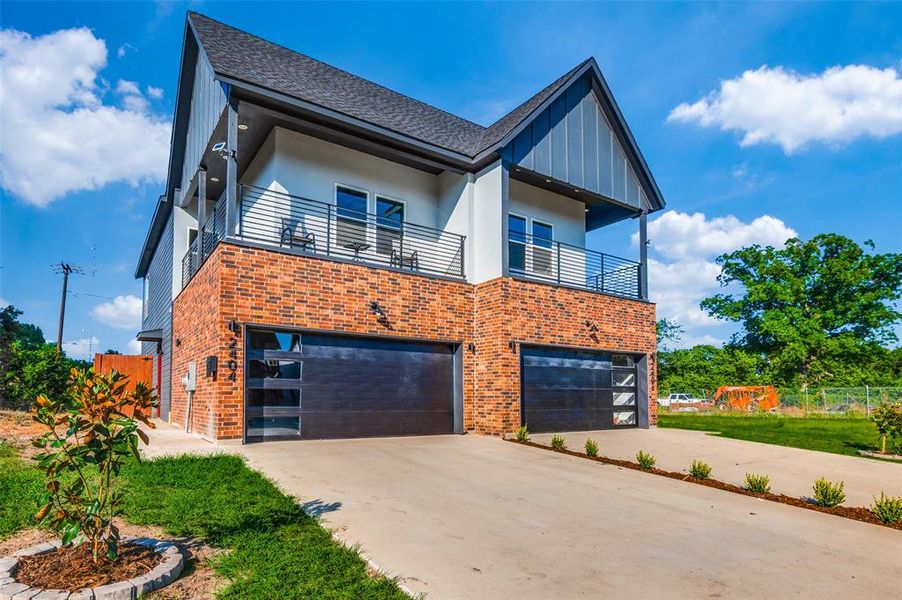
(263, 287)
(529, 312)
(271, 288)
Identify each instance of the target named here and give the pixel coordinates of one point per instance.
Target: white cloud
(133, 347)
(683, 236)
(123, 49)
(779, 106)
(65, 137)
(681, 268)
(154, 92)
(82, 348)
(123, 312)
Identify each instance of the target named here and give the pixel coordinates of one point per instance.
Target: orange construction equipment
(746, 397)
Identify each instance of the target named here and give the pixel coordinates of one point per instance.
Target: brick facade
(262, 287)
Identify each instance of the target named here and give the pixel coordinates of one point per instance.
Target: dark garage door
(304, 385)
(575, 390)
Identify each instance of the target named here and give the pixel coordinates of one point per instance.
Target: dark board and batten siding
(159, 312)
(207, 102)
(572, 141)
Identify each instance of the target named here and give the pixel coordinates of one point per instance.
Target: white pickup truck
(680, 399)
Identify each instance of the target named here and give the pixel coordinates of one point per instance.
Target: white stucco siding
(566, 215)
(309, 167)
(488, 225)
(455, 210)
(565, 264)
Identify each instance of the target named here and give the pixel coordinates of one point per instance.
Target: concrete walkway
(792, 471)
(476, 517)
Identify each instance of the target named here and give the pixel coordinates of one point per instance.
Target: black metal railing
(319, 228)
(563, 264)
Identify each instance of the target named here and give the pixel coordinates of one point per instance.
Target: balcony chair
(295, 235)
(401, 259)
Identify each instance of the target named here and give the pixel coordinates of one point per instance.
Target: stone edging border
(862, 515)
(130, 589)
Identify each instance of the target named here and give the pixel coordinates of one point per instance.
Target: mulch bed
(73, 568)
(849, 512)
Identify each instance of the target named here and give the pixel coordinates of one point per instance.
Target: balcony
(311, 227)
(548, 261)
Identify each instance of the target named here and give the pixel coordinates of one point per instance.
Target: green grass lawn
(275, 549)
(839, 435)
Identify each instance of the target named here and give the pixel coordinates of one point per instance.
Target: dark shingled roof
(241, 56)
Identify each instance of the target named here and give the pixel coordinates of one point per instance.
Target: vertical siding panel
(590, 143)
(159, 300)
(605, 157)
(559, 139)
(541, 139)
(574, 134)
(632, 188)
(206, 106)
(619, 169)
(523, 148)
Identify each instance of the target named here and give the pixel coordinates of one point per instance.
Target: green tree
(811, 304)
(28, 365)
(668, 330)
(706, 368)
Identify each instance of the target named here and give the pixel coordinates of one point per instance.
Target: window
(389, 221)
(516, 244)
(350, 225)
(542, 234)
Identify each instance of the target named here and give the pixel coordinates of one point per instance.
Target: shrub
(828, 493)
(759, 484)
(558, 442)
(522, 434)
(887, 508)
(888, 419)
(646, 460)
(87, 440)
(591, 447)
(700, 469)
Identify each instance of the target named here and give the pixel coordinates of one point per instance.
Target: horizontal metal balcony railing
(563, 264)
(318, 228)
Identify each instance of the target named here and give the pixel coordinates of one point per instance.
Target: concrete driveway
(792, 471)
(476, 517)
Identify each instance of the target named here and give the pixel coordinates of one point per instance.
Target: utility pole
(65, 269)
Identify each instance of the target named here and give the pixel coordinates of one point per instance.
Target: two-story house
(331, 258)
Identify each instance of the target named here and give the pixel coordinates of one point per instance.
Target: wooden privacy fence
(138, 367)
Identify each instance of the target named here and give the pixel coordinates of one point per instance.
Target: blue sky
(759, 158)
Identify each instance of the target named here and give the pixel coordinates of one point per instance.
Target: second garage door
(564, 389)
(306, 385)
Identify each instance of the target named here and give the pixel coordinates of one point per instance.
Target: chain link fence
(849, 401)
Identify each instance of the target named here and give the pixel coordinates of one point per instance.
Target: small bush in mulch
(591, 447)
(855, 513)
(887, 508)
(558, 442)
(757, 484)
(829, 494)
(646, 461)
(523, 434)
(73, 567)
(700, 469)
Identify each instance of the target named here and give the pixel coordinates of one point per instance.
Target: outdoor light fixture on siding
(220, 148)
(512, 345)
(591, 326)
(471, 347)
(234, 327)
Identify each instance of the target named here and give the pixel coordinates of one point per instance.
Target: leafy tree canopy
(811, 305)
(667, 331)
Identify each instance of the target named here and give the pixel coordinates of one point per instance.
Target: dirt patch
(849, 512)
(198, 579)
(73, 568)
(25, 539)
(17, 429)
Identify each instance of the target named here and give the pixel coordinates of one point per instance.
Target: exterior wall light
(591, 326)
(376, 309)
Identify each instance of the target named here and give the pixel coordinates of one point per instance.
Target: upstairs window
(351, 221)
(516, 244)
(389, 221)
(542, 234)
